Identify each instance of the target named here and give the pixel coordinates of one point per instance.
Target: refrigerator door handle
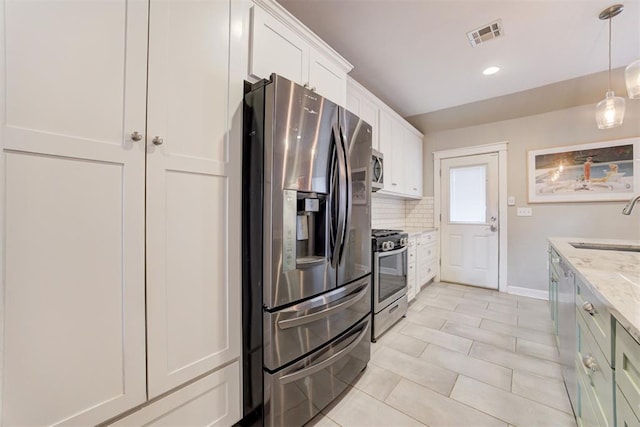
(326, 312)
(348, 190)
(305, 372)
(342, 197)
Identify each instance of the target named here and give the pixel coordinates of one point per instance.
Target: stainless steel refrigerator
(306, 251)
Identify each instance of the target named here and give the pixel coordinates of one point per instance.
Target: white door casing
(73, 183)
(458, 247)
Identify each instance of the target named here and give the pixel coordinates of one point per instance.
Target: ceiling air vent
(486, 33)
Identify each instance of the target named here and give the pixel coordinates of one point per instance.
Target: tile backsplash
(400, 214)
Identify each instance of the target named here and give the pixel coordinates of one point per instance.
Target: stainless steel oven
(389, 268)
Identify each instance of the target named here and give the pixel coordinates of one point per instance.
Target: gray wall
(527, 243)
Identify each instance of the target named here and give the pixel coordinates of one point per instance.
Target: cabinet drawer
(585, 413)
(429, 250)
(625, 416)
(628, 368)
(596, 373)
(212, 400)
(428, 237)
(596, 317)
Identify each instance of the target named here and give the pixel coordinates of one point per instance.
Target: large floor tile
(423, 318)
(443, 339)
(480, 370)
(535, 349)
(376, 382)
(491, 296)
(515, 361)
(438, 313)
(508, 407)
(489, 337)
(548, 391)
(545, 338)
(419, 371)
(435, 410)
(472, 310)
(539, 323)
(356, 408)
(446, 302)
(321, 420)
(405, 343)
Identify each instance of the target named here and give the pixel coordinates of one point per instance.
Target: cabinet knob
(157, 140)
(589, 362)
(136, 136)
(589, 308)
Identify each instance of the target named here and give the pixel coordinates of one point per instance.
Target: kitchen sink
(606, 246)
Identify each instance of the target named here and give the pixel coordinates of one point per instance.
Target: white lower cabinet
(427, 257)
(121, 206)
(204, 402)
(412, 280)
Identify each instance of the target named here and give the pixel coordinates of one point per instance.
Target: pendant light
(610, 111)
(632, 77)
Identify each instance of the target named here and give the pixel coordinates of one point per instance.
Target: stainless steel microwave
(377, 170)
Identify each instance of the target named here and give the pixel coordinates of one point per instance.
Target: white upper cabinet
(398, 141)
(363, 104)
(281, 44)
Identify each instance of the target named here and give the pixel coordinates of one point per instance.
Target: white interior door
(73, 182)
(192, 216)
(469, 224)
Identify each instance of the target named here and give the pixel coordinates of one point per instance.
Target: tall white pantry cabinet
(121, 145)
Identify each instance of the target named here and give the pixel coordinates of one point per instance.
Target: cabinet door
(326, 78)
(386, 148)
(277, 49)
(193, 204)
(73, 210)
(412, 164)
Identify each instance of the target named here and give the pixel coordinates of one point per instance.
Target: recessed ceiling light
(490, 70)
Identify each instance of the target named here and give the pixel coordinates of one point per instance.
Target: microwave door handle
(348, 191)
(341, 198)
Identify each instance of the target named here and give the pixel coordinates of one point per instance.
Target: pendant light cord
(610, 53)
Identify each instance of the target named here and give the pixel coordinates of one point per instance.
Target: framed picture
(600, 171)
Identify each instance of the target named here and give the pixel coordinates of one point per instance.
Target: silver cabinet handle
(589, 308)
(136, 136)
(157, 140)
(589, 362)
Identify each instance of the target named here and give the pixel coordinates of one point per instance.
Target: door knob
(157, 140)
(136, 136)
(493, 228)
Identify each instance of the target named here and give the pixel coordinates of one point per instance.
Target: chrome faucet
(629, 207)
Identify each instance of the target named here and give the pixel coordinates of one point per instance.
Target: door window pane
(468, 194)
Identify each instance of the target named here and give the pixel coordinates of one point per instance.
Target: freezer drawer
(297, 393)
(294, 331)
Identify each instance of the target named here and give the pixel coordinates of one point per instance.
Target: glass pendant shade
(632, 77)
(610, 111)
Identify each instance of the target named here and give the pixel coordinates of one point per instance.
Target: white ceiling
(415, 55)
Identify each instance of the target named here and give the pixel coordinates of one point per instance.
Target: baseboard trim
(526, 292)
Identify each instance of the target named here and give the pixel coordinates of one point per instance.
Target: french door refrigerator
(306, 251)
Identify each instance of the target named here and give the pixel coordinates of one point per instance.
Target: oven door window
(392, 274)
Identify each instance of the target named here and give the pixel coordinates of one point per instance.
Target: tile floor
(463, 356)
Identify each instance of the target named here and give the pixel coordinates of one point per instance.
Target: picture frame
(594, 172)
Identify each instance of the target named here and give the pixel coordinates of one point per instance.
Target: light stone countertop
(413, 230)
(614, 276)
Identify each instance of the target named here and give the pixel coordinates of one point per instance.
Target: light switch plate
(524, 212)
(511, 200)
